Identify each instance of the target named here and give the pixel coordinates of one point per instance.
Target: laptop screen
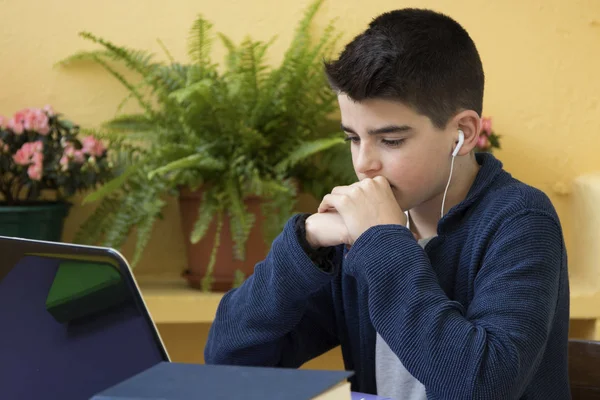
(71, 322)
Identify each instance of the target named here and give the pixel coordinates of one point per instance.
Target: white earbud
(461, 140)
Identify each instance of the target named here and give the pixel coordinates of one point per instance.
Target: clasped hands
(348, 211)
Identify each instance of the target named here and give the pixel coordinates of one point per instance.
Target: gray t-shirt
(393, 380)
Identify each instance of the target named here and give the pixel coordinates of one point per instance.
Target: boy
(468, 296)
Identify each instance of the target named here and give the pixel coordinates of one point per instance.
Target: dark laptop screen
(71, 323)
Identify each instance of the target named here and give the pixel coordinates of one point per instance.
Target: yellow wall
(540, 57)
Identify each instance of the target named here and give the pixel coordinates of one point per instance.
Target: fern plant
(239, 129)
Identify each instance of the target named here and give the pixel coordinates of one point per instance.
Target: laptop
(72, 321)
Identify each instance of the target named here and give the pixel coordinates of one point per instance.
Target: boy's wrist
(318, 255)
(303, 235)
(310, 239)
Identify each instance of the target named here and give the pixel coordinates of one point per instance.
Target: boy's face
(390, 139)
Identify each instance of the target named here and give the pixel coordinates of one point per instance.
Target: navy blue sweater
(481, 313)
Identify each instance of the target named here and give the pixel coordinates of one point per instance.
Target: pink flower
(79, 157)
(483, 142)
(38, 158)
(35, 171)
(21, 158)
(76, 155)
(92, 146)
(37, 146)
(36, 120)
(27, 120)
(23, 155)
(49, 110)
(41, 122)
(15, 125)
(64, 162)
(486, 126)
(29, 152)
(30, 119)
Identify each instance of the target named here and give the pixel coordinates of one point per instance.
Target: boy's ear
(470, 123)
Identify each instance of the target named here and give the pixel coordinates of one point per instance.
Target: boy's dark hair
(422, 58)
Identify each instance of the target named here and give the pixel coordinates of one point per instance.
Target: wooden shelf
(585, 305)
(172, 301)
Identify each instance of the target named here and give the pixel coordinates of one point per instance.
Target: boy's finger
(341, 190)
(352, 190)
(339, 202)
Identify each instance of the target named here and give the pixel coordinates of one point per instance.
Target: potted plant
(43, 162)
(234, 142)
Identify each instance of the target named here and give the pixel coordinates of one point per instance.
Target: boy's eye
(387, 142)
(392, 143)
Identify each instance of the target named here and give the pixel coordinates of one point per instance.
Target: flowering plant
(488, 140)
(40, 151)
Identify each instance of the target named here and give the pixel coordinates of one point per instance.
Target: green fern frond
(130, 95)
(199, 89)
(144, 227)
(130, 123)
(132, 89)
(137, 60)
(325, 170)
(200, 41)
(196, 161)
(157, 76)
(111, 186)
(232, 57)
(96, 225)
(206, 213)
(301, 38)
(306, 150)
(325, 45)
(176, 151)
(166, 51)
(252, 140)
(238, 278)
(82, 56)
(241, 221)
(165, 79)
(269, 188)
(248, 70)
(194, 74)
(123, 223)
(208, 278)
(140, 203)
(277, 209)
(297, 63)
(246, 73)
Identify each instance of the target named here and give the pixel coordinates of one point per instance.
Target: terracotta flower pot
(198, 254)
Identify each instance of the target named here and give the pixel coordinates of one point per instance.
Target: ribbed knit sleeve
(282, 315)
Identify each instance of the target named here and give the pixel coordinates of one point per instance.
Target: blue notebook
(178, 381)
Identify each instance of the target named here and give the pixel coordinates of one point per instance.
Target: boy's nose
(367, 162)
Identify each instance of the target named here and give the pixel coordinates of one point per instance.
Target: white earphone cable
(447, 186)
